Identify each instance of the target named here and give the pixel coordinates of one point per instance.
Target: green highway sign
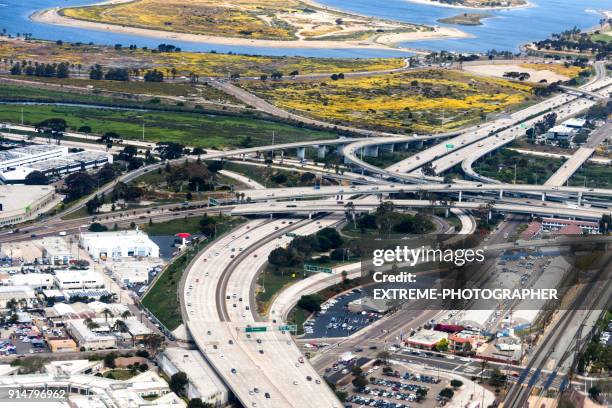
(315, 268)
(450, 145)
(256, 329)
(212, 201)
(288, 327)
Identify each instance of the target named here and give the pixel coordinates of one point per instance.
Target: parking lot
(21, 339)
(335, 320)
(397, 389)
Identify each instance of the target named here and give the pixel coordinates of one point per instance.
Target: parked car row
(397, 384)
(374, 402)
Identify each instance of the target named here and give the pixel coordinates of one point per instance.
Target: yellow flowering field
(415, 101)
(560, 69)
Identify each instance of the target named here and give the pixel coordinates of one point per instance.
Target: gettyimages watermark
(458, 272)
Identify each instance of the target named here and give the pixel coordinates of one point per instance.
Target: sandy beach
(382, 42)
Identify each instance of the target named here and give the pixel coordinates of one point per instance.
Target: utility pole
(514, 173)
(22, 116)
(143, 129)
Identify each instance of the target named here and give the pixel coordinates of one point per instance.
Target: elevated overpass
(314, 207)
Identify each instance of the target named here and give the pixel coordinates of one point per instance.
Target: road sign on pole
(256, 329)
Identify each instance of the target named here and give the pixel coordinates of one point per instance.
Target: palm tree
(107, 312)
(91, 324)
(126, 314)
(120, 326)
(350, 213)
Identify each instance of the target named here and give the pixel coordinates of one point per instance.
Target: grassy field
(416, 101)
(529, 169)
(193, 129)
(603, 37)
(120, 374)
(188, 90)
(593, 175)
(82, 56)
(188, 224)
(536, 170)
(162, 298)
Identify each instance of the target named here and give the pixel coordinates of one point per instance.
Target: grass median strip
(162, 299)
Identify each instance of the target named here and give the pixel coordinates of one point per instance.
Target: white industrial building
(119, 244)
(78, 279)
(204, 383)
(7, 293)
(32, 280)
(56, 251)
(28, 155)
(51, 160)
(22, 203)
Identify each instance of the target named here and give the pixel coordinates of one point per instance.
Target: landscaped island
(470, 19)
(291, 23)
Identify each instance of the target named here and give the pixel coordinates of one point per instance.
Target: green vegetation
(162, 298)
(386, 158)
(386, 220)
(593, 175)
(536, 170)
(189, 225)
(186, 128)
(529, 169)
(120, 374)
(468, 19)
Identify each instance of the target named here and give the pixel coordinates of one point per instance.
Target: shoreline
(528, 4)
(383, 41)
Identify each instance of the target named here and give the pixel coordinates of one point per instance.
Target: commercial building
(560, 132)
(8, 293)
(56, 251)
(575, 123)
(79, 279)
(119, 244)
(557, 224)
(32, 280)
(62, 346)
(88, 339)
(426, 339)
(51, 160)
(144, 390)
(204, 383)
(22, 203)
(29, 155)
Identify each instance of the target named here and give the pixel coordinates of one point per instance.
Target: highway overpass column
(371, 151)
(580, 198)
(390, 147)
(460, 195)
(543, 196)
(301, 153)
(446, 212)
(321, 150)
(501, 194)
(310, 216)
